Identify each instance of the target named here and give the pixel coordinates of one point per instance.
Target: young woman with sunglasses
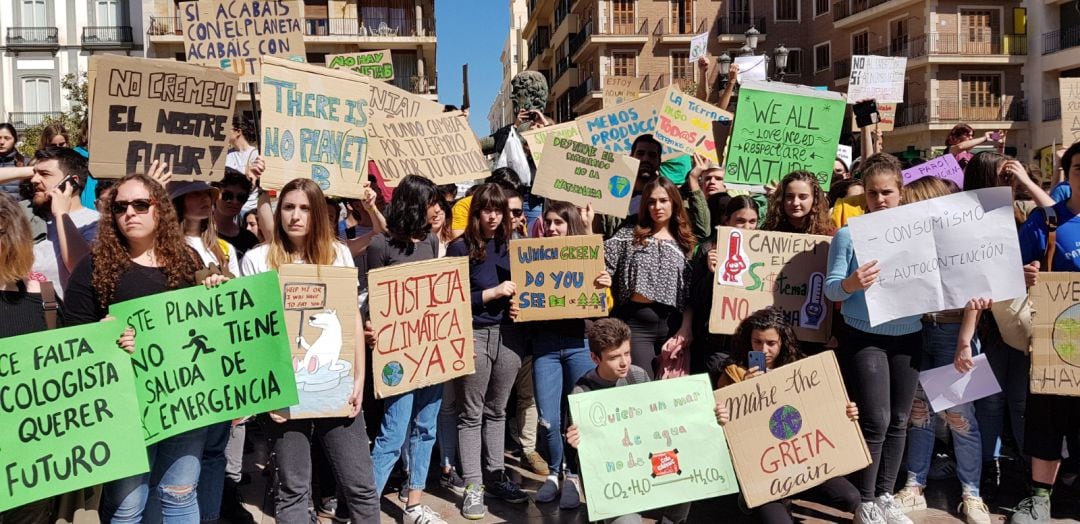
(140, 251)
(302, 234)
(235, 189)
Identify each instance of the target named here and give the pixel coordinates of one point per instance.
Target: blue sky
(471, 32)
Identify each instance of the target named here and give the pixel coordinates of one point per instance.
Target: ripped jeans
(165, 494)
(939, 341)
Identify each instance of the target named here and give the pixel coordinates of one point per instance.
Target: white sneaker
(868, 513)
(549, 490)
(911, 499)
(422, 515)
(974, 510)
(891, 510)
(571, 493)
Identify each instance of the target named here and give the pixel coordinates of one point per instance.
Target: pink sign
(944, 167)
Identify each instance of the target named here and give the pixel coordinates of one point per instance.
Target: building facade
(1056, 56)
(513, 57)
(45, 40)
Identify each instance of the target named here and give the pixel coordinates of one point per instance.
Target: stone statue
(529, 90)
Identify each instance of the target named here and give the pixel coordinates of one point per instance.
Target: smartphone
(757, 359)
(63, 183)
(866, 113)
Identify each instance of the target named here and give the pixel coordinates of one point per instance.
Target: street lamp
(780, 54)
(752, 36)
(724, 61)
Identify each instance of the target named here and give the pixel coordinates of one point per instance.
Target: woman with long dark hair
(651, 271)
(13, 166)
(303, 235)
(499, 347)
(408, 239)
(140, 251)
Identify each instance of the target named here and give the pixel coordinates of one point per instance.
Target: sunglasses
(517, 212)
(140, 205)
(229, 196)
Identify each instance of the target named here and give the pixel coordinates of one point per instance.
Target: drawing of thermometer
(813, 311)
(735, 263)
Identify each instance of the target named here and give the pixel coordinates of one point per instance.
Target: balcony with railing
(943, 45)
(1003, 109)
(32, 37)
(630, 30)
(1055, 41)
(1051, 109)
(107, 36)
(673, 30)
(375, 27)
(739, 25)
(841, 69)
(539, 44)
(24, 120)
(163, 26)
(846, 8)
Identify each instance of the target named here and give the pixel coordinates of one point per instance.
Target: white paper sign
(698, 46)
(878, 77)
(946, 387)
(752, 68)
(844, 153)
(940, 253)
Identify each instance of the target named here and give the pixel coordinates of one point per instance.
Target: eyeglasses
(140, 205)
(229, 196)
(517, 212)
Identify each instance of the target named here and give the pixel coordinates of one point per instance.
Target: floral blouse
(658, 270)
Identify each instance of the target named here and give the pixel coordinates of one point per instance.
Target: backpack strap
(1051, 237)
(49, 304)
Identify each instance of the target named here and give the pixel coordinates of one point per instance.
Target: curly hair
(406, 217)
(111, 256)
(818, 220)
(761, 320)
(678, 225)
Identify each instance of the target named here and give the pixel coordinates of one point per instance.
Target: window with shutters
(821, 7)
(37, 95)
(682, 16)
(860, 43)
(739, 11)
(980, 96)
(624, 64)
(622, 17)
(680, 67)
(822, 57)
(787, 10)
(794, 62)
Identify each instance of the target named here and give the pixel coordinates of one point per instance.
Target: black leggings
(836, 493)
(650, 326)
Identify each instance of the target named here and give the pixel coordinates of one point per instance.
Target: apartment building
(45, 40)
(513, 61)
(1055, 25)
(405, 27)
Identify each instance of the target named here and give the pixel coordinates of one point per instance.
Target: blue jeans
(558, 363)
(1011, 367)
(174, 473)
(939, 341)
(212, 475)
(421, 408)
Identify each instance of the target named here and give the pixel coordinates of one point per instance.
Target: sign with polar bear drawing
(421, 313)
(321, 318)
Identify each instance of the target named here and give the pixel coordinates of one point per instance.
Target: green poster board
(68, 416)
(650, 445)
(204, 356)
(780, 128)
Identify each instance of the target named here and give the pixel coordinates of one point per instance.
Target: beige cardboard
(686, 124)
(789, 430)
(144, 110)
(621, 89)
(757, 269)
(324, 138)
(584, 174)
(232, 35)
(615, 128)
(1055, 341)
(387, 100)
(1070, 110)
(536, 138)
(320, 314)
(374, 64)
(555, 277)
(440, 148)
(422, 316)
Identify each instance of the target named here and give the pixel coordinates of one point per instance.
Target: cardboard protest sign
(320, 315)
(615, 128)
(621, 89)
(686, 124)
(389, 101)
(880, 78)
(1070, 110)
(205, 356)
(376, 64)
(233, 35)
(789, 429)
(886, 119)
(315, 124)
(538, 137)
(1055, 330)
(143, 110)
(584, 174)
(555, 277)
(422, 316)
(752, 68)
(699, 46)
(759, 268)
(944, 167)
(441, 148)
(650, 445)
(68, 416)
(780, 128)
(937, 254)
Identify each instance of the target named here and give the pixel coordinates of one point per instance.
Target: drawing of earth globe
(785, 423)
(1066, 338)
(392, 373)
(619, 186)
